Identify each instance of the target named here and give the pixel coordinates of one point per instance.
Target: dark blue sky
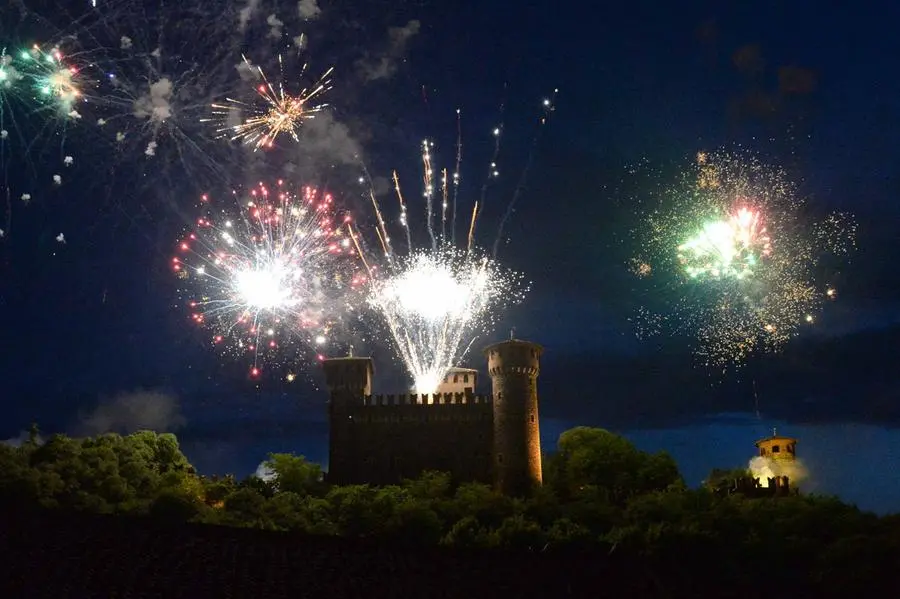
(84, 322)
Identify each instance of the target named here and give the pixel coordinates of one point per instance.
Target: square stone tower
(349, 381)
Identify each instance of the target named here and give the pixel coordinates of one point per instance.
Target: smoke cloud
(276, 27)
(133, 411)
(385, 66)
(324, 143)
(155, 105)
(247, 72)
(21, 438)
(308, 9)
(764, 468)
(246, 13)
(264, 472)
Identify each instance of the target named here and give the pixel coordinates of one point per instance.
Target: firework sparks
(729, 247)
(55, 81)
(279, 113)
(268, 278)
(438, 299)
(434, 303)
(735, 259)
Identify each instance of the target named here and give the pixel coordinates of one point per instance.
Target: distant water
(854, 462)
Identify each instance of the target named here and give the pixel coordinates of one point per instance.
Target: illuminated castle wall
(778, 448)
(382, 439)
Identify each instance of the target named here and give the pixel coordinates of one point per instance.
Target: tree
(467, 532)
(566, 533)
(215, 490)
(414, 522)
(354, 510)
(175, 506)
(246, 507)
(287, 511)
(486, 505)
(593, 457)
(294, 474)
(266, 488)
(518, 531)
(430, 485)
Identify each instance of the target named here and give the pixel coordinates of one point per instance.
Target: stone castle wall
(388, 438)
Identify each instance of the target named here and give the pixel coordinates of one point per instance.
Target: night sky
(94, 336)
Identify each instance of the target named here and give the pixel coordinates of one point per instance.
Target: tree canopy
(600, 491)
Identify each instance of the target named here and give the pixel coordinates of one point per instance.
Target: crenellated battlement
(387, 438)
(424, 399)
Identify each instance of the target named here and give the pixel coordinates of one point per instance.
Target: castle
(777, 448)
(494, 439)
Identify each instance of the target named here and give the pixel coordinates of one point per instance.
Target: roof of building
(513, 342)
(775, 438)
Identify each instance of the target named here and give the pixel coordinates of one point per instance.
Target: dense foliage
(600, 491)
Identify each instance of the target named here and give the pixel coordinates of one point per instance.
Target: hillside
(57, 554)
(54, 554)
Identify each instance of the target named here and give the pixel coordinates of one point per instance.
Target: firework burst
(434, 304)
(734, 257)
(269, 279)
(56, 82)
(437, 299)
(726, 247)
(275, 112)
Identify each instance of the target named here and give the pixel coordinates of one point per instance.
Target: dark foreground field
(53, 554)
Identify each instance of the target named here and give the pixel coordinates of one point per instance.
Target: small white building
(459, 380)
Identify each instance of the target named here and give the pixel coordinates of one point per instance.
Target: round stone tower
(514, 366)
(778, 448)
(783, 453)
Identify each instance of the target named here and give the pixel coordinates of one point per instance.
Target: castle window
(762, 451)
(776, 448)
(790, 448)
(455, 378)
(500, 458)
(532, 418)
(465, 378)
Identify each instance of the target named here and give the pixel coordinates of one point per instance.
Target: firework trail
(279, 113)
(436, 300)
(270, 278)
(548, 105)
(733, 255)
